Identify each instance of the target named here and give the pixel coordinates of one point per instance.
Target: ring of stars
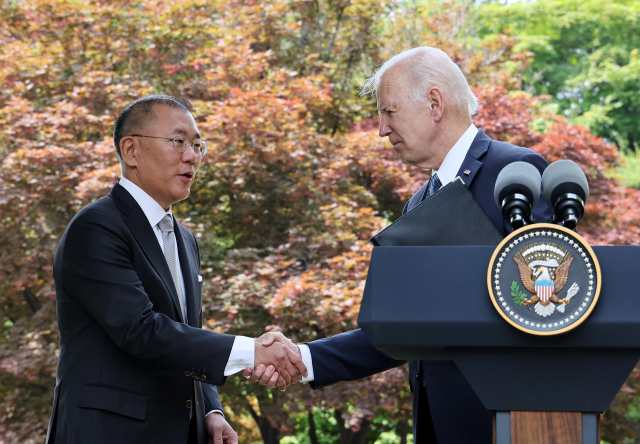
(571, 317)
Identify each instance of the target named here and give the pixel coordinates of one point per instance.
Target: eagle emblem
(536, 272)
(544, 270)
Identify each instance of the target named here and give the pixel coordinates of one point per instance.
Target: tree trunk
(340, 420)
(270, 435)
(632, 143)
(32, 300)
(313, 436)
(349, 437)
(403, 429)
(361, 436)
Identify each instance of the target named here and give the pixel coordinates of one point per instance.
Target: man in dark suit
(135, 365)
(425, 107)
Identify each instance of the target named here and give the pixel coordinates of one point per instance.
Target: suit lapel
(471, 164)
(478, 148)
(189, 274)
(143, 233)
(416, 199)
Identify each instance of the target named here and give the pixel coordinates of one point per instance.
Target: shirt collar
(453, 161)
(150, 207)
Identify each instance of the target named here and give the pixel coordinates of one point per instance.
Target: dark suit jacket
(452, 410)
(129, 368)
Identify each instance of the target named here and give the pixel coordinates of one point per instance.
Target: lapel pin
(467, 172)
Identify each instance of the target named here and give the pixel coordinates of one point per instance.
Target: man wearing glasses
(135, 365)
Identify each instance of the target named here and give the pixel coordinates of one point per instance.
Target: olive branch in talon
(519, 297)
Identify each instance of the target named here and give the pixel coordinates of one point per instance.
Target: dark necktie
(433, 186)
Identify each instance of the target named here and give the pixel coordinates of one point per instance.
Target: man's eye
(179, 141)
(197, 145)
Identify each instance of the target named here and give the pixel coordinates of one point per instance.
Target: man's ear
(129, 151)
(437, 100)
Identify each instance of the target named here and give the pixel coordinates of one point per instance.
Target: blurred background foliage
(297, 179)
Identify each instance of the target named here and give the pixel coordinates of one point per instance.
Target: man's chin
(181, 195)
(406, 161)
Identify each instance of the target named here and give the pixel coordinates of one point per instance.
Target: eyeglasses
(181, 145)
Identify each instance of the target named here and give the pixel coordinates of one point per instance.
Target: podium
(432, 303)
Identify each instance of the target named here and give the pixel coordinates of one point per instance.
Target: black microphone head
(562, 177)
(518, 177)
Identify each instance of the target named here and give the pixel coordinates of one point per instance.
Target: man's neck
(454, 133)
(455, 157)
(449, 136)
(132, 177)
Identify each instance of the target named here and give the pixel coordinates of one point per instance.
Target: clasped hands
(278, 362)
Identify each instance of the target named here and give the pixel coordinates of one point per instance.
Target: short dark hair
(139, 113)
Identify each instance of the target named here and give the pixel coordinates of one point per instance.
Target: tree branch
(253, 413)
(335, 32)
(318, 26)
(31, 299)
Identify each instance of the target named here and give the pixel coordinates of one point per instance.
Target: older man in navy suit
(425, 107)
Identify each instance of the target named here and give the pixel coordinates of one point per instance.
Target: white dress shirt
(446, 173)
(243, 350)
(155, 213)
(454, 158)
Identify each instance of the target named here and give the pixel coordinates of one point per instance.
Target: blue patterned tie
(433, 186)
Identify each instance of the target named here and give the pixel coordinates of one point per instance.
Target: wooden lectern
(542, 389)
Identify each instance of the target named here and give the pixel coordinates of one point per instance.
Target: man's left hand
(219, 430)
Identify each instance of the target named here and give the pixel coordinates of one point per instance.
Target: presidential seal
(544, 279)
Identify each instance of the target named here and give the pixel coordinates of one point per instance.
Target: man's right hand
(276, 363)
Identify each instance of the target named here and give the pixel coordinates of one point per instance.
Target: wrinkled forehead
(393, 90)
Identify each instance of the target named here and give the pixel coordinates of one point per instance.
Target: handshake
(278, 362)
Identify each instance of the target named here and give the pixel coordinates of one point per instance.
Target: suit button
(203, 377)
(187, 373)
(188, 404)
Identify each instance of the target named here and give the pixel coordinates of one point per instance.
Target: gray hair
(428, 67)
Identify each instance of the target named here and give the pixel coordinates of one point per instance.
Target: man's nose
(384, 130)
(189, 156)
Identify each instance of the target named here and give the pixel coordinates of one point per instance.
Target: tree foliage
(585, 56)
(296, 181)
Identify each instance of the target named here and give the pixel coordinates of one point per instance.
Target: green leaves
(518, 296)
(584, 56)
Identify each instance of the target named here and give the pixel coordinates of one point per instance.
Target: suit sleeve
(347, 357)
(211, 398)
(97, 265)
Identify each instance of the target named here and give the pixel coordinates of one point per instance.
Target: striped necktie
(169, 247)
(433, 186)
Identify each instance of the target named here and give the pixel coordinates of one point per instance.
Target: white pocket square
(199, 278)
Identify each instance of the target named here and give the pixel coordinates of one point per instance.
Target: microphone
(517, 191)
(566, 190)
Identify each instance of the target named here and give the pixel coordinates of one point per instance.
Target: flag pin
(467, 172)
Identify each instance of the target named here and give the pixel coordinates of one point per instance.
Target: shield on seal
(544, 290)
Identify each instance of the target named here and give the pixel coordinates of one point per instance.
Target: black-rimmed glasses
(181, 145)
